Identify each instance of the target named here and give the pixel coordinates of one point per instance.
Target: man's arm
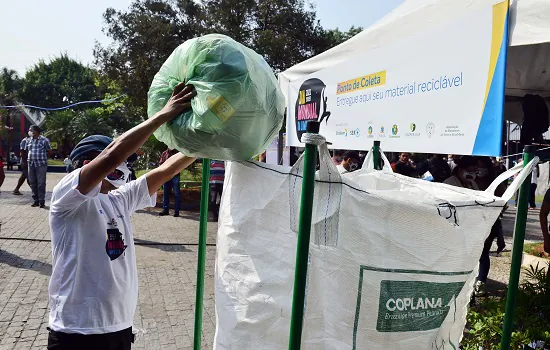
(120, 149)
(543, 216)
(170, 168)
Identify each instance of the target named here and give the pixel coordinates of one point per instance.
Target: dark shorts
(121, 340)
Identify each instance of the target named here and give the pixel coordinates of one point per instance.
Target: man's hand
(179, 102)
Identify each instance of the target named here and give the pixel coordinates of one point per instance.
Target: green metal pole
(376, 155)
(302, 249)
(205, 187)
(517, 252)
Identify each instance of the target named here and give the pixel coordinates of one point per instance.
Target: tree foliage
(285, 32)
(143, 37)
(59, 82)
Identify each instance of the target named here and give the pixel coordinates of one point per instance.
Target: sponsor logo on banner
(343, 133)
(452, 131)
(394, 132)
(430, 129)
(355, 132)
(382, 132)
(412, 127)
(311, 105)
(370, 130)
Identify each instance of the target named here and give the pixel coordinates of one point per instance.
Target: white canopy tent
(528, 64)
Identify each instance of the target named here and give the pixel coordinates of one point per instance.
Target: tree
(69, 126)
(335, 37)
(58, 82)
(10, 84)
(285, 32)
(143, 37)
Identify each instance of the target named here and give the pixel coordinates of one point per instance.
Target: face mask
(119, 176)
(353, 166)
(30, 134)
(482, 172)
(469, 175)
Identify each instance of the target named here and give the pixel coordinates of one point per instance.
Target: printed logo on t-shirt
(115, 243)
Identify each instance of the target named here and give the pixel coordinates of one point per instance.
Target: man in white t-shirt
(93, 288)
(349, 163)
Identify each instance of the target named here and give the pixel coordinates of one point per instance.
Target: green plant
(531, 318)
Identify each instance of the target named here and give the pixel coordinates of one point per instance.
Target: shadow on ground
(165, 247)
(188, 215)
(27, 264)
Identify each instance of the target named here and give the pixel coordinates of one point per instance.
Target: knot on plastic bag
(314, 139)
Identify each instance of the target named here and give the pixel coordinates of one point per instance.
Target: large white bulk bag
(392, 259)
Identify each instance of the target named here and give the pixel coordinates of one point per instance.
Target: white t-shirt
(94, 287)
(534, 176)
(341, 169)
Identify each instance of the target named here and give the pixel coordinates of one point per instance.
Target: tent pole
(517, 252)
(376, 155)
(201, 259)
(302, 249)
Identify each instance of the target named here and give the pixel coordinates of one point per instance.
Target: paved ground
(167, 273)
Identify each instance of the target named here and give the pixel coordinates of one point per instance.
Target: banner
(439, 91)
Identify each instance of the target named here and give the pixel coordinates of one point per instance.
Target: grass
(535, 249)
(185, 175)
(55, 162)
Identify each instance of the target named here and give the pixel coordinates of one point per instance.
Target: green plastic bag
(238, 109)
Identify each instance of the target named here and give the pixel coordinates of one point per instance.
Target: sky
(35, 29)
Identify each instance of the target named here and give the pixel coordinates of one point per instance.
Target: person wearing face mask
(404, 166)
(350, 162)
(464, 173)
(93, 287)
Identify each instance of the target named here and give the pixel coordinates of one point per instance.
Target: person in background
(500, 168)
(349, 163)
(439, 168)
(93, 290)
(337, 157)
(2, 174)
(485, 176)
(12, 160)
(519, 161)
(24, 167)
(485, 173)
(217, 176)
(67, 163)
(464, 173)
(404, 166)
(450, 161)
(173, 183)
(534, 180)
(498, 165)
(38, 149)
(543, 217)
(263, 157)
